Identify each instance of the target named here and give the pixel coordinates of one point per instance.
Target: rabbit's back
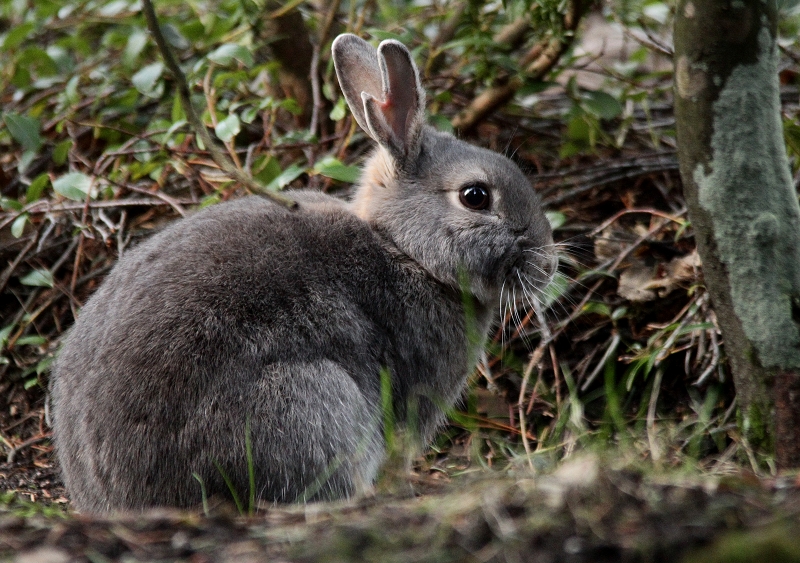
(244, 314)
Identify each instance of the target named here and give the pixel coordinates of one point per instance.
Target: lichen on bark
(746, 190)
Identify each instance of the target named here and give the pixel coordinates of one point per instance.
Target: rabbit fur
(251, 316)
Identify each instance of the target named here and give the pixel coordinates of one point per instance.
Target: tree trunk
(743, 206)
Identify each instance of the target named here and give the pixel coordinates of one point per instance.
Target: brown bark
(742, 206)
(787, 419)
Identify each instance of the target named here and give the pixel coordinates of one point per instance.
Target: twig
(714, 359)
(82, 236)
(446, 32)
(200, 128)
(11, 267)
(171, 201)
(785, 50)
(652, 42)
(362, 16)
(27, 443)
(605, 224)
(536, 357)
(612, 347)
(609, 174)
(513, 33)
(315, 94)
(330, 17)
(655, 452)
(55, 296)
(45, 206)
(617, 261)
(556, 378)
(674, 334)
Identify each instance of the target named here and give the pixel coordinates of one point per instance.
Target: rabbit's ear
(383, 91)
(358, 70)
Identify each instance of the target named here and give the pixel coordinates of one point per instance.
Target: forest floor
(590, 509)
(630, 346)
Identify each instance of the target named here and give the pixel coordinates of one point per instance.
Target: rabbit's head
(460, 211)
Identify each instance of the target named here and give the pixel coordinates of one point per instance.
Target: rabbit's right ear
(383, 91)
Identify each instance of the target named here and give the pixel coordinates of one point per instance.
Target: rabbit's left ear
(383, 91)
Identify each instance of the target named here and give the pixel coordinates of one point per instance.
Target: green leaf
(249, 114)
(147, 80)
(32, 340)
(557, 287)
(61, 151)
(210, 199)
(285, 177)
(174, 36)
(62, 59)
(136, 44)
(228, 128)
(44, 364)
(38, 278)
(578, 128)
(27, 158)
(34, 57)
(16, 35)
(441, 122)
(618, 313)
(291, 105)
(114, 8)
(225, 54)
(74, 185)
(18, 226)
(331, 167)
(36, 188)
(8, 204)
(5, 332)
(25, 130)
(71, 90)
(658, 12)
(338, 111)
(266, 169)
(596, 308)
(603, 105)
(555, 219)
(178, 124)
(791, 133)
(534, 87)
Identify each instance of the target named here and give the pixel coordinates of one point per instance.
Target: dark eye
(474, 196)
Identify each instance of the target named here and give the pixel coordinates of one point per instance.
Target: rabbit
(251, 329)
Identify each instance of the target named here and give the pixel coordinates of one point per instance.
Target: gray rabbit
(248, 315)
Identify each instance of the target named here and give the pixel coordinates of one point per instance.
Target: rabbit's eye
(474, 196)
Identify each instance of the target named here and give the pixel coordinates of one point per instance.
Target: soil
(586, 511)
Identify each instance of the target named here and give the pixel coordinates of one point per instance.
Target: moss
(757, 427)
(777, 544)
(747, 190)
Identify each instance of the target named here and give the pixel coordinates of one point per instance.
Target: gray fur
(249, 311)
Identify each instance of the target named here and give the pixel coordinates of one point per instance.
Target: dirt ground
(586, 511)
(613, 508)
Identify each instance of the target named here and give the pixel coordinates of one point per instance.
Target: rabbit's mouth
(529, 273)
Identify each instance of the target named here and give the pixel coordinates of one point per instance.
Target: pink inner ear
(401, 102)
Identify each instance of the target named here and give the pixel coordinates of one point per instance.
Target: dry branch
(539, 60)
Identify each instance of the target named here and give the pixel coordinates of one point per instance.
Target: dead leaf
(640, 283)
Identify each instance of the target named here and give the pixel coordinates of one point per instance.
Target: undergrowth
(625, 350)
